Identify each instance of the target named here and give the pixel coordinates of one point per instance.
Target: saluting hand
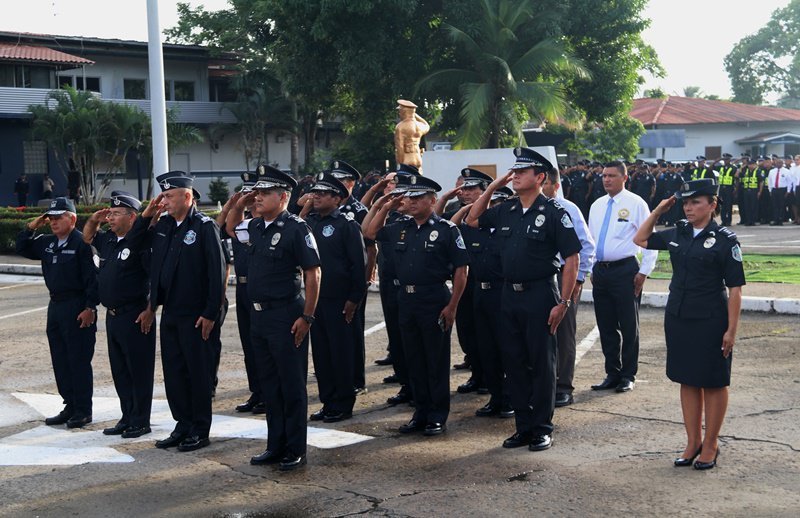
(100, 215)
(300, 330)
(501, 181)
(243, 201)
(38, 222)
(154, 207)
(205, 326)
(666, 204)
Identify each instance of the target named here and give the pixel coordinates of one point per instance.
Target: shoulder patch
(736, 252)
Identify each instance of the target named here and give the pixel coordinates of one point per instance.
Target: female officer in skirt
(701, 317)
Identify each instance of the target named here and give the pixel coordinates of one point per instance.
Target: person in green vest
(727, 178)
(751, 187)
(701, 170)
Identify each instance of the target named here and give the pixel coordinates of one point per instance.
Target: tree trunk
(310, 131)
(295, 146)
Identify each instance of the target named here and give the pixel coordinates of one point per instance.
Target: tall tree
(768, 62)
(507, 79)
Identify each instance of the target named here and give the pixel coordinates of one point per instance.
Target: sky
(691, 37)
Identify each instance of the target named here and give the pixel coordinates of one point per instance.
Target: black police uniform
(530, 241)
(425, 257)
(215, 337)
(696, 315)
(277, 255)
(764, 198)
(598, 191)
(123, 287)
(580, 191)
(674, 182)
(71, 278)
(187, 279)
(644, 186)
(343, 258)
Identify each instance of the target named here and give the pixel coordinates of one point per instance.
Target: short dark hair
(619, 166)
(554, 176)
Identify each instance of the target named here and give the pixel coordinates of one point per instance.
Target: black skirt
(694, 351)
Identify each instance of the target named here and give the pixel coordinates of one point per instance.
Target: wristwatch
(308, 318)
(567, 303)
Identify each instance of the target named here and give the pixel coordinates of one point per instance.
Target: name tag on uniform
(673, 243)
(55, 259)
(68, 252)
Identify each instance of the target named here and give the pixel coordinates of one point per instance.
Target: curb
(653, 299)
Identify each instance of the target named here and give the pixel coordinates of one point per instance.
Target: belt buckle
(410, 288)
(486, 285)
(396, 282)
(242, 280)
(257, 306)
(113, 312)
(518, 287)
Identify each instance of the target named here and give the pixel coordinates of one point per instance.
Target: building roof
(10, 52)
(692, 110)
(773, 137)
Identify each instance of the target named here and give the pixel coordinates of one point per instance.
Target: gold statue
(407, 134)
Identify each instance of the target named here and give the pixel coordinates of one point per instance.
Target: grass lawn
(757, 268)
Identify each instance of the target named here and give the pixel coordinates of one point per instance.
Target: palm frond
(476, 99)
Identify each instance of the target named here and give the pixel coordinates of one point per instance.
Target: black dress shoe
(564, 399)
(517, 440)
(79, 421)
(247, 406)
(319, 415)
(412, 426)
(290, 462)
(61, 418)
(607, 384)
(482, 391)
(680, 462)
(266, 457)
(462, 366)
(117, 429)
(174, 439)
(625, 386)
(384, 361)
(434, 429)
(540, 442)
(401, 397)
(707, 465)
(392, 378)
(193, 442)
(470, 386)
(506, 410)
(259, 408)
(488, 410)
(135, 431)
(336, 417)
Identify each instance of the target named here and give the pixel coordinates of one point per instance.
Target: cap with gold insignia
(700, 187)
(174, 180)
(503, 193)
(344, 171)
(248, 181)
(475, 178)
(326, 182)
(407, 169)
(125, 199)
(269, 177)
(527, 158)
(419, 185)
(59, 206)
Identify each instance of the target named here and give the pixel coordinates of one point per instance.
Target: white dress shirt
(587, 243)
(794, 171)
(628, 212)
(784, 180)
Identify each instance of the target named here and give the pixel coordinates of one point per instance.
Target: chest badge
(327, 230)
(350, 216)
(623, 213)
(709, 242)
(539, 221)
(190, 237)
(126, 252)
(276, 237)
(434, 234)
(279, 224)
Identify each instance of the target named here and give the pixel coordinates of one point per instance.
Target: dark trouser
(215, 339)
(186, 359)
(391, 309)
(565, 339)
(617, 312)
(360, 351)
(778, 197)
(243, 308)
(726, 196)
(465, 329)
(132, 355)
(427, 350)
(71, 351)
(282, 373)
(750, 206)
(489, 334)
(332, 347)
(21, 199)
(46, 195)
(529, 355)
(765, 206)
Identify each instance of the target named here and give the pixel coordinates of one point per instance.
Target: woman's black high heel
(707, 465)
(681, 462)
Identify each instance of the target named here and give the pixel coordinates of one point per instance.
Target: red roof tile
(692, 110)
(39, 54)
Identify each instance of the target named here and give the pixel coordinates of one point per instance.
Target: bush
(218, 190)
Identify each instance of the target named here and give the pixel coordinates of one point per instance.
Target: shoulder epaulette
(202, 217)
(554, 203)
(730, 234)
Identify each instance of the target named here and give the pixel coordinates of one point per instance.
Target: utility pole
(158, 105)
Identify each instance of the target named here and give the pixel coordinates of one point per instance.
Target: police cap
(59, 206)
(125, 199)
(700, 187)
(527, 158)
(419, 185)
(475, 178)
(326, 182)
(344, 171)
(273, 178)
(503, 193)
(406, 169)
(248, 181)
(175, 180)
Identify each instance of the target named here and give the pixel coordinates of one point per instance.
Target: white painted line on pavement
(586, 344)
(23, 313)
(12, 286)
(375, 328)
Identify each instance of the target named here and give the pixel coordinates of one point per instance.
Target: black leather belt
(525, 286)
(414, 288)
(614, 264)
(274, 304)
(120, 310)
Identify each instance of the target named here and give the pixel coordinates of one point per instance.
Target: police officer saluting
(187, 279)
(124, 252)
(282, 248)
(343, 286)
(428, 250)
(532, 231)
(71, 278)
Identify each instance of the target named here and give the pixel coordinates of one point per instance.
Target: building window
(713, 152)
(34, 154)
(791, 149)
(77, 82)
(134, 88)
(220, 91)
(184, 91)
(26, 76)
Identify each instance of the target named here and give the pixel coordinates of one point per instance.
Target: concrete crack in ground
(767, 441)
(770, 411)
(656, 419)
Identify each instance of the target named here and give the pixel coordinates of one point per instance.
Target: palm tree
(508, 77)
